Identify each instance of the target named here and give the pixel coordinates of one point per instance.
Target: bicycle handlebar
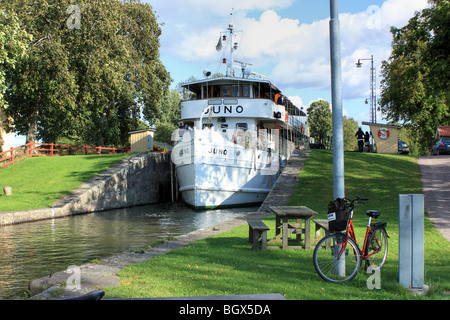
(351, 203)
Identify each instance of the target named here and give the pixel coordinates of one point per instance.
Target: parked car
(441, 147)
(403, 147)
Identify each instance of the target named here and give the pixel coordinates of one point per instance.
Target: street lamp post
(338, 127)
(373, 95)
(336, 102)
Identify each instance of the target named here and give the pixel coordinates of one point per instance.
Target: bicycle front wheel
(332, 267)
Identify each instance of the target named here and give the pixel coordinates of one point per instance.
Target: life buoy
(383, 133)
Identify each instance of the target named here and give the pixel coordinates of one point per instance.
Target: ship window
(213, 91)
(226, 91)
(235, 89)
(256, 92)
(216, 91)
(230, 101)
(246, 91)
(215, 102)
(243, 126)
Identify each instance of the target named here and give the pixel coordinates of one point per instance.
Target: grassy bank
(226, 265)
(39, 182)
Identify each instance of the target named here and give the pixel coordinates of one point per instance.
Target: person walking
(360, 136)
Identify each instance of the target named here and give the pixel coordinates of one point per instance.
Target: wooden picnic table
(298, 213)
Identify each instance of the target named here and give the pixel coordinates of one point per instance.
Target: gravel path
(435, 172)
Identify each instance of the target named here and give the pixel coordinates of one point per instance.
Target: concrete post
(411, 241)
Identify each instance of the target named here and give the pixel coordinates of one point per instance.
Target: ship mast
(233, 46)
(230, 72)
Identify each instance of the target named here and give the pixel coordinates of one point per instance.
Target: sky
(287, 41)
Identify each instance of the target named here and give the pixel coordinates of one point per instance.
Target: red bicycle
(337, 257)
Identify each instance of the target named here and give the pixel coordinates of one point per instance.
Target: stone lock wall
(142, 179)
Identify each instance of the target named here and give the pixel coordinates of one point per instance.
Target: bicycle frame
(350, 232)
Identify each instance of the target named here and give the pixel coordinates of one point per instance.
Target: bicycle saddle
(373, 213)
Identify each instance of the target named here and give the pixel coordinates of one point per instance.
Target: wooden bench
(322, 225)
(257, 230)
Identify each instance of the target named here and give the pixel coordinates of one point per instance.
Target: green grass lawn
(40, 181)
(225, 264)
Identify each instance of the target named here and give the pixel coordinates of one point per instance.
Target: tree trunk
(101, 138)
(32, 126)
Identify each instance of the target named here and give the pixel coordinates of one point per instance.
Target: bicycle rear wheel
(376, 248)
(329, 265)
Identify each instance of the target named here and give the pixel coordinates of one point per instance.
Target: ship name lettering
(226, 109)
(218, 151)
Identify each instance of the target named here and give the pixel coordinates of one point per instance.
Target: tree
(350, 127)
(149, 76)
(13, 44)
(90, 82)
(416, 78)
(41, 87)
(129, 74)
(170, 108)
(170, 113)
(319, 120)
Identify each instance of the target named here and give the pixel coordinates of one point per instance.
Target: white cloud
(398, 12)
(297, 101)
(292, 53)
(270, 36)
(303, 55)
(216, 8)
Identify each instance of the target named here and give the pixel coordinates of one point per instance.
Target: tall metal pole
(336, 101)
(373, 95)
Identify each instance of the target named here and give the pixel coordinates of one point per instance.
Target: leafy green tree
(13, 44)
(168, 120)
(163, 132)
(350, 128)
(41, 88)
(128, 75)
(416, 78)
(149, 76)
(170, 108)
(319, 120)
(92, 81)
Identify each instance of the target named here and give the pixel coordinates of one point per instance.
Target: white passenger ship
(236, 138)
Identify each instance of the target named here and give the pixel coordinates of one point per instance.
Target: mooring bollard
(7, 190)
(411, 242)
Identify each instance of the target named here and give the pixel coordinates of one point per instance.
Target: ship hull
(213, 173)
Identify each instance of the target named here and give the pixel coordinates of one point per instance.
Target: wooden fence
(50, 149)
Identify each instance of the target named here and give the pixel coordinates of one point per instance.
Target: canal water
(32, 250)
